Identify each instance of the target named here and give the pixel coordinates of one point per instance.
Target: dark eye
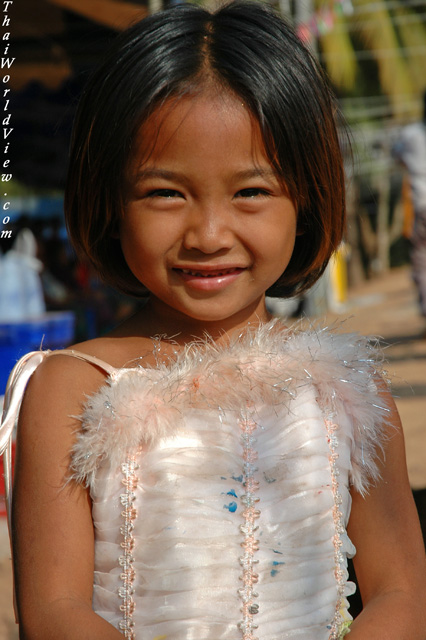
(164, 193)
(251, 193)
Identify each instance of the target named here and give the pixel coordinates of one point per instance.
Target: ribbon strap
(15, 388)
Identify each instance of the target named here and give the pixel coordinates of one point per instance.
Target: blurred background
(375, 55)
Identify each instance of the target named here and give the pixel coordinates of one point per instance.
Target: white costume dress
(220, 485)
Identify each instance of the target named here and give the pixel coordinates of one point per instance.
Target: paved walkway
(384, 307)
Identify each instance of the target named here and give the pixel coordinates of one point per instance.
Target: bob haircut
(247, 49)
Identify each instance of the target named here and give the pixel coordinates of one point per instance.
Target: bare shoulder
(116, 352)
(58, 389)
(63, 379)
(61, 384)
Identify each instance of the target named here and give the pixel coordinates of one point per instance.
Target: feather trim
(140, 406)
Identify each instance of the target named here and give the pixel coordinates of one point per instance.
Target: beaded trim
(339, 528)
(129, 514)
(250, 544)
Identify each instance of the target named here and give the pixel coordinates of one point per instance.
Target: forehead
(200, 125)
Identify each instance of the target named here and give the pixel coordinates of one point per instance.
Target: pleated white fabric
(220, 486)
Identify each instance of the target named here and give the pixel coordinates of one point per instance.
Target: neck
(157, 319)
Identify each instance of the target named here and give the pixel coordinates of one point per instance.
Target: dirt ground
(384, 307)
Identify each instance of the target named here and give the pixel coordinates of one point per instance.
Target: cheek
(283, 256)
(282, 249)
(278, 239)
(133, 245)
(146, 243)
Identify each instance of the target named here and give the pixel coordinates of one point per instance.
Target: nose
(210, 228)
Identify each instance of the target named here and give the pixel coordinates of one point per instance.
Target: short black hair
(253, 53)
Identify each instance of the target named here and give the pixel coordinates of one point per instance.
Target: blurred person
(410, 150)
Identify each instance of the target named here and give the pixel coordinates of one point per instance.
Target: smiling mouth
(210, 274)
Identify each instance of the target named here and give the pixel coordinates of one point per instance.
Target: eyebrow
(258, 172)
(159, 173)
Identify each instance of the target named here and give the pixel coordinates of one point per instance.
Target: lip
(208, 278)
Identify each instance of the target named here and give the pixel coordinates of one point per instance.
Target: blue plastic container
(51, 331)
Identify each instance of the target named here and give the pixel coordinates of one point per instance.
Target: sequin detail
(339, 529)
(250, 544)
(126, 560)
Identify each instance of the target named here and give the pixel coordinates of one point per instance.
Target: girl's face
(208, 226)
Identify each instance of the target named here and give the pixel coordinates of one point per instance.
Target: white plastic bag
(21, 292)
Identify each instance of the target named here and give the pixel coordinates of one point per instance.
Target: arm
(53, 541)
(390, 562)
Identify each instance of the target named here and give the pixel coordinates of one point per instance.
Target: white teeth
(206, 275)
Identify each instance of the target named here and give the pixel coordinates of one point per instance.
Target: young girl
(204, 472)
